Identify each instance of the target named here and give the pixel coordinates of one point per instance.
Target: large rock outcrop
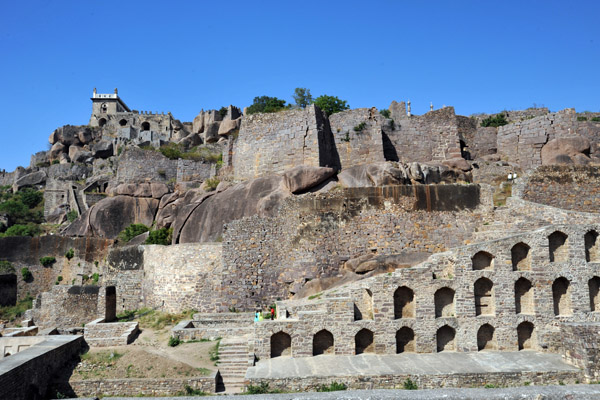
(110, 216)
(200, 217)
(567, 150)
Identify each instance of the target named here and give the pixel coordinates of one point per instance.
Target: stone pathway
(414, 364)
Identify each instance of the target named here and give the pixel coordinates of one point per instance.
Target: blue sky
(182, 56)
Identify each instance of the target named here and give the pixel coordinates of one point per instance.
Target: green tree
(302, 97)
(31, 197)
(14, 209)
(331, 104)
(266, 104)
(23, 230)
(132, 231)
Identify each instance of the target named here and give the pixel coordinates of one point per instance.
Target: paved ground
(414, 364)
(571, 392)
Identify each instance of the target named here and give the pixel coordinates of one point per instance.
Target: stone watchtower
(105, 107)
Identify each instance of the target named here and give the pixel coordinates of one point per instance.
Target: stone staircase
(234, 360)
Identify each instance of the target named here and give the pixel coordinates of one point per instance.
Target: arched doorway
(281, 345)
(323, 343)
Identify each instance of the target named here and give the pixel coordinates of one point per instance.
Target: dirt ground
(149, 356)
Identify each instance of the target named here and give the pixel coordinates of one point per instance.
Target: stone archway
(146, 126)
(281, 345)
(592, 247)
(405, 340)
(526, 335)
(520, 256)
(446, 339)
(482, 260)
(594, 290)
(404, 303)
(363, 342)
(557, 245)
(323, 343)
(486, 338)
(524, 297)
(444, 302)
(484, 297)
(561, 296)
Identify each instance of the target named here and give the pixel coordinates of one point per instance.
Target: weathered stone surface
(211, 133)
(102, 149)
(378, 174)
(202, 220)
(198, 124)
(85, 135)
(69, 135)
(35, 178)
(228, 126)
(78, 154)
(458, 163)
(304, 177)
(191, 140)
(110, 216)
(69, 172)
(56, 150)
(154, 190)
(570, 150)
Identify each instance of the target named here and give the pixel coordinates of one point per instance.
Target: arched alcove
(123, 122)
(404, 303)
(524, 297)
(145, 126)
(405, 340)
(363, 342)
(323, 343)
(592, 251)
(557, 245)
(484, 297)
(101, 122)
(526, 336)
(482, 260)
(446, 338)
(594, 290)
(561, 295)
(520, 255)
(486, 338)
(281, 345)
(444, 302)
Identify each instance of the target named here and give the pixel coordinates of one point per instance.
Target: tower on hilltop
(104, 105)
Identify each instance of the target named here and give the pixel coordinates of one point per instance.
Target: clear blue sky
(182, 56)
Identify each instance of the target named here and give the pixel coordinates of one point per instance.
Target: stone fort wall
(275, 142)
(574, 188)
(268, 258)
(509, 294)
(171, 278)
(25, 251)
(522, 142)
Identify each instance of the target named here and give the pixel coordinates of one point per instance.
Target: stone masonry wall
(67, 306)
(137, 165)
(272, 143)
(581, 347)
(27, 375)
(25, 251)
(191, 281)
(136, 387)
(574, 188)
(525, 290)
(430, 137)
(522, 142)
(358, 146)
(172, 278)
(268, 258)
